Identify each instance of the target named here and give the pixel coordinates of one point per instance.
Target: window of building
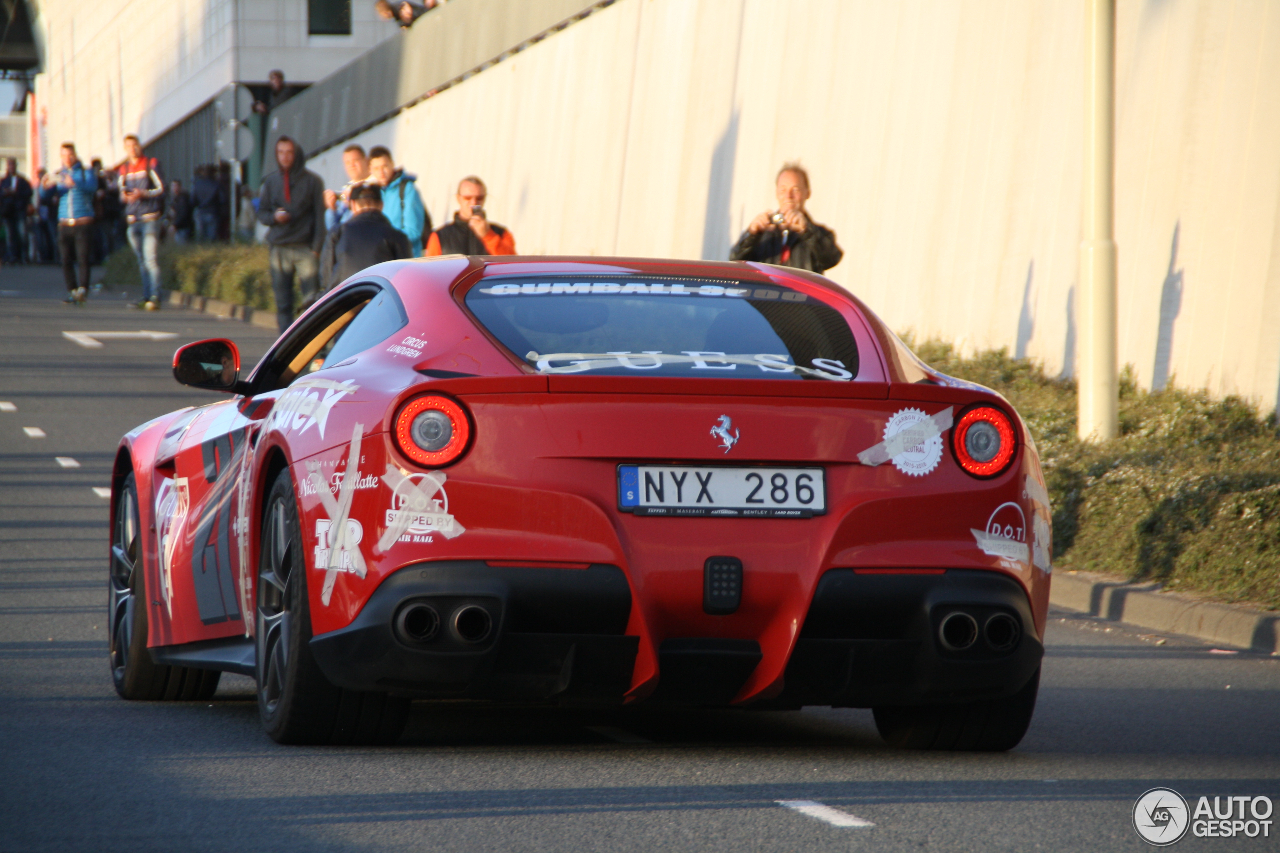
(329, 17)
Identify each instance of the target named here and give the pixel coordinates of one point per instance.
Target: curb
(1144, 605)
(227, 310)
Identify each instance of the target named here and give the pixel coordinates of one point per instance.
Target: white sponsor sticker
(419, 509)
(339, 549)
(1005, 535)
(173, 501)
(308, 403)
(1035, 491)
(912, 442)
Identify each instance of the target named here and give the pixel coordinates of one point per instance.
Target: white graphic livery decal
(338, 550)
(1041, 544)
(912, 442)
(369, 481)
(410, 346)
(416, 513)
(722, 431)
(579, 362)
(302, 406)
(1006, 534)
(173, 501)
(1036, 492)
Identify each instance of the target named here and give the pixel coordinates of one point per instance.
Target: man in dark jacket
(367, 238)
(788, 236)
(179, 212)
(206, 200)
(15, 198)
(471, 232)
(292, 205)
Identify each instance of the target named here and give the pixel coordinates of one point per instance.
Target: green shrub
(1188, 495)
(237, 273)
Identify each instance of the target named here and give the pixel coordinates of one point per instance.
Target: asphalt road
(80, 769)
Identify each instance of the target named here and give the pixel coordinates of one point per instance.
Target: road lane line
(33, 432)
(102, 491)
(67, 462)
(93, 340)
(835, 817)
(617, 734)
(6, 406)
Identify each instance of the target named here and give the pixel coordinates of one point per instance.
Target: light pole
(1098, 416)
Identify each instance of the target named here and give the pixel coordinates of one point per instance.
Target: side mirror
(212, 364)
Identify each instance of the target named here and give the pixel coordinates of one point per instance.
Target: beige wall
(139, 66)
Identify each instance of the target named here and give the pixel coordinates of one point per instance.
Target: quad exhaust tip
(418, 623)
(958, 631)
(1002, 632)
(472, 624)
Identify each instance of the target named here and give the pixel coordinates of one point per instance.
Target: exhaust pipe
(418, 623)
(958, 631)
(1002, 632)
(472, 624)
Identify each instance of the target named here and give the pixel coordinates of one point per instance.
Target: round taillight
(983, 441)
(433, 431)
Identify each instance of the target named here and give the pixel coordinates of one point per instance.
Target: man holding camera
(470, 232)
(787, 236)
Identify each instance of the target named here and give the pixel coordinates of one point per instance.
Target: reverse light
(983, 441)
(433, 431)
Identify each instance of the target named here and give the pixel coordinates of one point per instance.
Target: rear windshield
(638, 325)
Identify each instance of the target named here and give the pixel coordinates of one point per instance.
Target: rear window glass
(637, 325)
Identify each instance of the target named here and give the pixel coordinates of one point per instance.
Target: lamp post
(1098, 416)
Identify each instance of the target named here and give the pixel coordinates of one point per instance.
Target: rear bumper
(554, 634)
(874, 639)
(559, 635)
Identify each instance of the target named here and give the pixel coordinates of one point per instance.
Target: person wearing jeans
(292, 204)
(142, 191)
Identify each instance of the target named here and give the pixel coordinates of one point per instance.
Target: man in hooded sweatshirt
(291, 204)
(401, 203)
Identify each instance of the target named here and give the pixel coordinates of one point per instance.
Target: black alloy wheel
(296, 702)
(135, 675)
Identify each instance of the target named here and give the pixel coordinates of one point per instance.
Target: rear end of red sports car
(705, 483)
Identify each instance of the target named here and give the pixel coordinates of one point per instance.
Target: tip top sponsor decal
(912, 442)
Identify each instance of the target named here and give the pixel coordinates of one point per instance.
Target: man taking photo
(337, 205)
(787, 236)
(471, 232)
(292, 205)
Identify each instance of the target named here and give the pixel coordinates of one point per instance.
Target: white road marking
(620, 735)
(33, 432)
(67, 462)
(6, 406)
(835, 817)
(102, 491)
(93, 340)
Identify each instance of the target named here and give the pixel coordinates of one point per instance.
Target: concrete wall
(138, 66)
(944, 144)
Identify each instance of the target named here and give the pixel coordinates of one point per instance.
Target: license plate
(730, 492)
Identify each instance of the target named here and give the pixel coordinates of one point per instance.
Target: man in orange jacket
(470, 233)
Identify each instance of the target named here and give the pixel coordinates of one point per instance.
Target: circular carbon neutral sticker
(919, 457)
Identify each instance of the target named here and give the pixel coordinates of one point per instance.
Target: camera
(477, 210)
(778, 219)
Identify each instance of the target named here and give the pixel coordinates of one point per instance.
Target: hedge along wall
(944, 141)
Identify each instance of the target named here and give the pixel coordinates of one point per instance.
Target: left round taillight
(983, 441)
(433, 431)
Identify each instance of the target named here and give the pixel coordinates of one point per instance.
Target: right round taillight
(432, 430)
(983, 441)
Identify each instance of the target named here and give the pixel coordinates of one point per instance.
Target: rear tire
(135, 675)
(298, 705)
(994, 725)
